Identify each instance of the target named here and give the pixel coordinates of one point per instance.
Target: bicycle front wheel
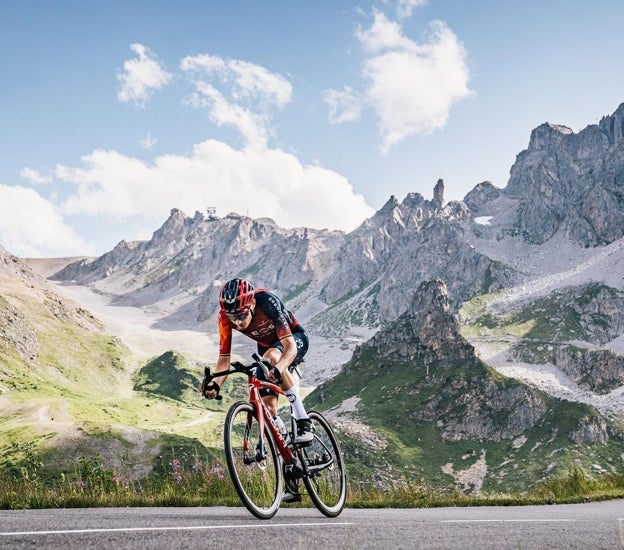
(252, 461)
(324, 474)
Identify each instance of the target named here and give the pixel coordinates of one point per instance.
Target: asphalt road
(583, 526)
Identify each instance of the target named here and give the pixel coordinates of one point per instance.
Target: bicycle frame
(262, 411)
(264, 416)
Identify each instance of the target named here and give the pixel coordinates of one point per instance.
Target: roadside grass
(90, 485)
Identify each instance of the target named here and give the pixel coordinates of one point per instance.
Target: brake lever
(265, 366)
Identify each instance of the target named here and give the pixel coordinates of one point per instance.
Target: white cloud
(237, 93)
(256, 180)
(31, 227)
(148, 141)
(259, 181)
(34, 176)
(344, 106)
(411, 86)
(246, 81)
(253, 127)
(384, 34)
(141, 77)
(405, 8)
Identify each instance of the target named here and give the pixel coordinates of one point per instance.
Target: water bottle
(282, 428)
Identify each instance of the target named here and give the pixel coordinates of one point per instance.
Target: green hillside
(411, 446)
(72, 392)
(423, 413)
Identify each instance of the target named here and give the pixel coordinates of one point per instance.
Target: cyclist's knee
(272, 355)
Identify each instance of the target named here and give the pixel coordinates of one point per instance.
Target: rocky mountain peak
(482, 194)
(413, 200)
(571, 183)
(427, 330)
(613, 126)
(548, 135)
(172, 227)
(431, 321)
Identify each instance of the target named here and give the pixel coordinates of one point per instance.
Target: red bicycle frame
(264, 415)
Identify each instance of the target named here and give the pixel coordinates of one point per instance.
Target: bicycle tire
(324, 475)
(258, 481)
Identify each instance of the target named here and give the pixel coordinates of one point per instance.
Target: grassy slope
(392, 394)
(78, 398)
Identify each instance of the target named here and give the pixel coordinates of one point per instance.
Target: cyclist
(281, 340)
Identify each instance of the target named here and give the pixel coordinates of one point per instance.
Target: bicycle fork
(259, 455)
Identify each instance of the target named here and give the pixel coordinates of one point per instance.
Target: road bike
(261, 459)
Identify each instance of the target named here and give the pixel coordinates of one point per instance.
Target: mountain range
(478, 343)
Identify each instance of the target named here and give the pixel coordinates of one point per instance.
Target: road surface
(584, 526)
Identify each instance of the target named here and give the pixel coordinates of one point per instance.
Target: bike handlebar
(237, 366)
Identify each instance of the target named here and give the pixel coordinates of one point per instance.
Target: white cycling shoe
(305, 431)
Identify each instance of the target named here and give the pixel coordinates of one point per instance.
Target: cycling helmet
(236, 295)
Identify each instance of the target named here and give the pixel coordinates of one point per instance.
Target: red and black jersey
(271, 323)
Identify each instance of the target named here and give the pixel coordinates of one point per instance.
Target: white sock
(298, 410)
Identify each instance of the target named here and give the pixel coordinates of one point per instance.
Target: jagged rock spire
(438, 194)
(427, 331)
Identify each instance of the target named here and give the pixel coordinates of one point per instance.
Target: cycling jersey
(271, 323)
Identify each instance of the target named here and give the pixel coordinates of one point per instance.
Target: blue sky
(309, 112)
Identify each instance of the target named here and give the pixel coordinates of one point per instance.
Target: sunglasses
(240, 316)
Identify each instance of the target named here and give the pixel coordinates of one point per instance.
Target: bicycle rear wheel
(324, 474)
(254, 468)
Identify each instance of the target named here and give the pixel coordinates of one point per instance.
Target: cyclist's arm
(223, 364)
(225, 344)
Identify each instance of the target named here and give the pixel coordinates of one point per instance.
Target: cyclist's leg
(291, 388)
(274, 352)
(289, 383)
(271, 402)
(268, 396)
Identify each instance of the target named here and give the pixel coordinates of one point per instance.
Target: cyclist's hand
(210, 389)
(275, 375)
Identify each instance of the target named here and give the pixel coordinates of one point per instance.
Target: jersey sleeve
(277, 312)
(225, 335)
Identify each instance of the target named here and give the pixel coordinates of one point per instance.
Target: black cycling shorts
(301, 339)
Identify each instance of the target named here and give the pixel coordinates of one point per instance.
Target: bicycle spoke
(252, 462)
(324, 468)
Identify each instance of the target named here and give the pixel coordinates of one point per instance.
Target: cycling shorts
(301, 339)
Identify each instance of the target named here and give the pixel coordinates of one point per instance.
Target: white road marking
(181, 528)
(504, 520)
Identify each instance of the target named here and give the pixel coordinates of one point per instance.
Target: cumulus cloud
(34, 176)
(236, 93)
(141, 76)
(405, 8)
(246, 81)
(411, 86)
(254, 179)
(31, 226)
(257, 181)
(344, 106)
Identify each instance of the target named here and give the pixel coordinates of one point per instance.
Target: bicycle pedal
(289, 497)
